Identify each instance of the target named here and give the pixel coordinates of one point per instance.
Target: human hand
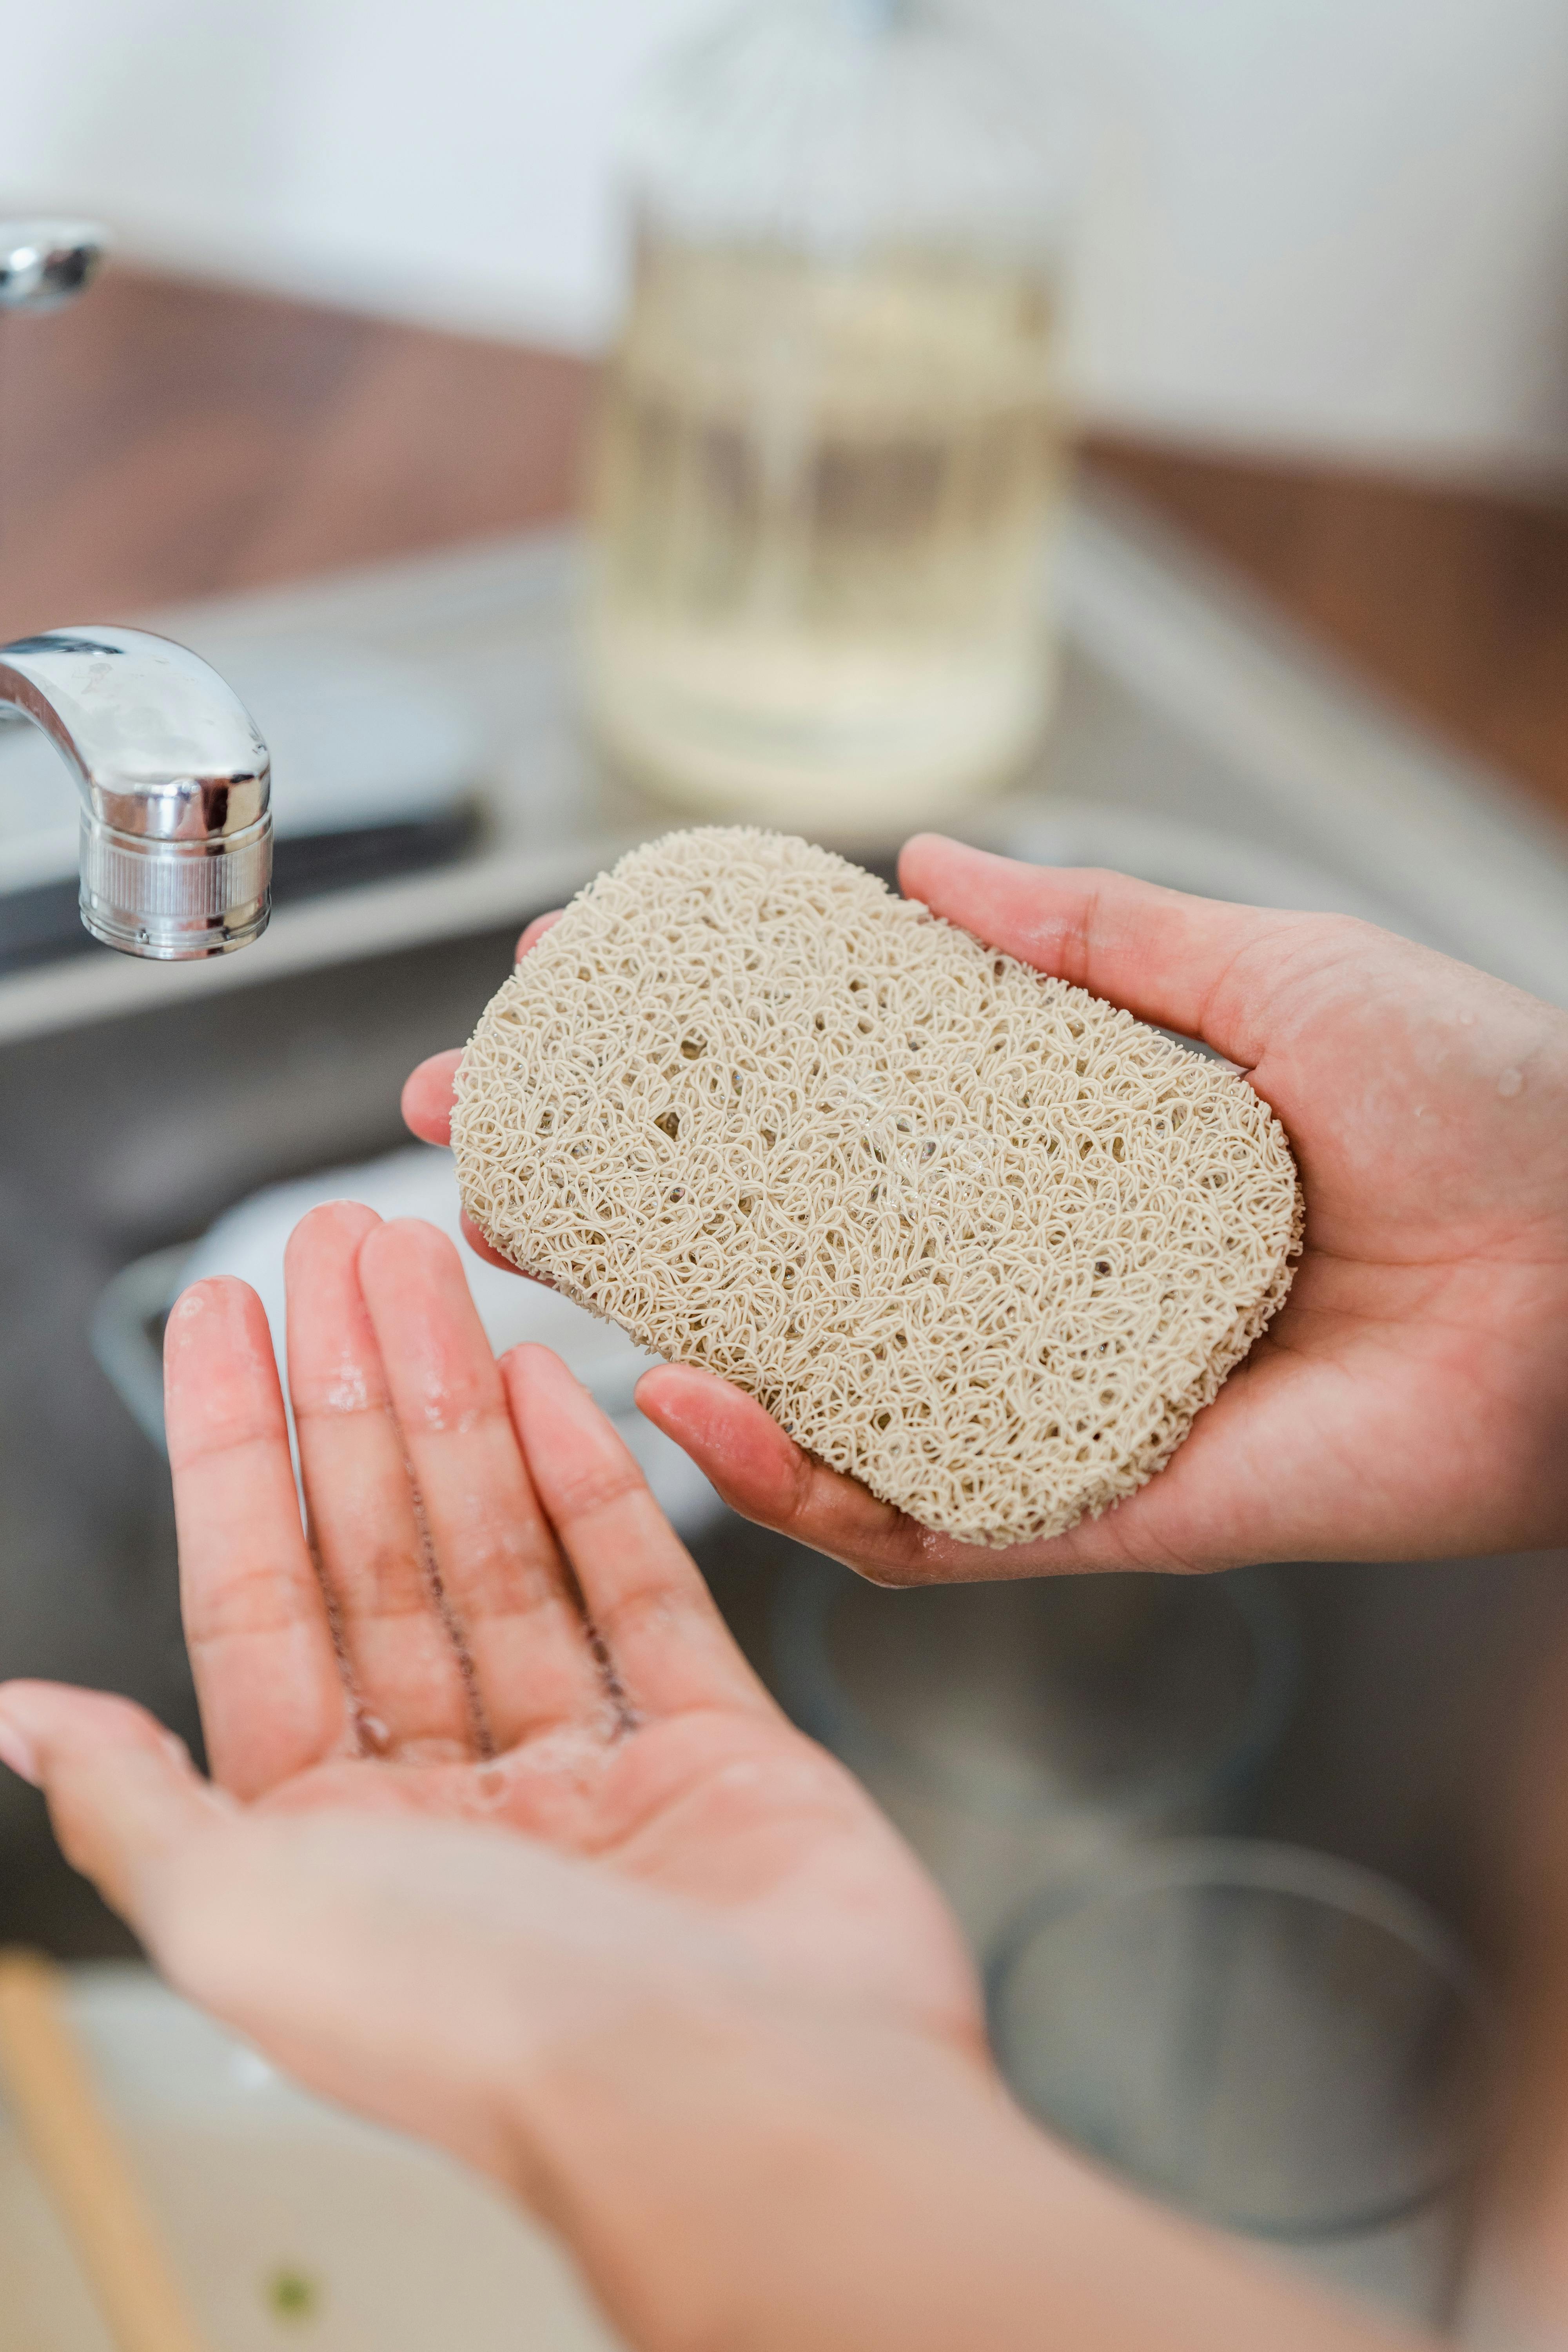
(571, 1899)
(433, 1665)
(1410, 1399)
(730, 2160)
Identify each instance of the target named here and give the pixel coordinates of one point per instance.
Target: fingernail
(16, 1752)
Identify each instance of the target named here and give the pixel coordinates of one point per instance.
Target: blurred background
(1130, 435)
(1320, 314)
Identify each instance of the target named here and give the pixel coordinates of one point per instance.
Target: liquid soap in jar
(830, 450)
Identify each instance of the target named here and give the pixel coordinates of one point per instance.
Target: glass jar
(830, 446)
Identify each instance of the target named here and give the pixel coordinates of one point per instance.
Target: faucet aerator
(174, 782)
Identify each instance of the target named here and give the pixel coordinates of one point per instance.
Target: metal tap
(177, 835)
(44, 263)
(174, 782)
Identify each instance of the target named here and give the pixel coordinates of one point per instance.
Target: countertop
(166, 440)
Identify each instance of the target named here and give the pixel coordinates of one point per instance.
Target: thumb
(124, 1799)
(1200, 966)
(428, 1096)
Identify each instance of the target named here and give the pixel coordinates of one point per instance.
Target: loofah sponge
(969, 1234)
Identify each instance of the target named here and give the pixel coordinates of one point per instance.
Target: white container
(287, 2220)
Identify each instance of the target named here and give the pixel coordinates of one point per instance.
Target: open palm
(576, 1904)
(492, 1620)
(1410, 1398)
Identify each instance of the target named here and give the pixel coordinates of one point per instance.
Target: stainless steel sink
(138, 1103)
(124, 1137)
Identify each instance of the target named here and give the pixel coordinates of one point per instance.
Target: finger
(428, 1096)
(766, 1477)
(318, 1938)
(1197, 965)
(123, 1796)
(511, 1602)
(481, 1248)
(668, 1647)
(428, 1112)
(762, 1473)
(267, 1673)
(535, 930)
(404, 1666)
(427, 1091)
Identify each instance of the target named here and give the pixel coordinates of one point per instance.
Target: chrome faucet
(44, 263)
(174, 782)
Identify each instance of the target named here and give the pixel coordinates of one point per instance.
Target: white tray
(288, 2220)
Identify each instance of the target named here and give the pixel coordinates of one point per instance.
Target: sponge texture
(972, 1236)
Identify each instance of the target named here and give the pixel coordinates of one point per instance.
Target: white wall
(1329, 222)
(444, 158)
(1332, 224)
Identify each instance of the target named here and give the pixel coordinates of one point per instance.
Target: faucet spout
(175, 784)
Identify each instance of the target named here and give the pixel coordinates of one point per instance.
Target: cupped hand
(1410, 1401)
(486, 1761)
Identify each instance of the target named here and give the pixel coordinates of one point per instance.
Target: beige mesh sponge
(969, 1233)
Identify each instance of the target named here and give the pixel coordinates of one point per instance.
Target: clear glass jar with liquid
(830, 447)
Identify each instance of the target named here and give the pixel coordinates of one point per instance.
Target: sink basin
(140, 1102)
(123, 1138)
(287, 2221)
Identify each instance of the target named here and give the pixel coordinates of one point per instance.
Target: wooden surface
(162, 439)
(73, 2140)
(1455, 602)
(165, 440)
